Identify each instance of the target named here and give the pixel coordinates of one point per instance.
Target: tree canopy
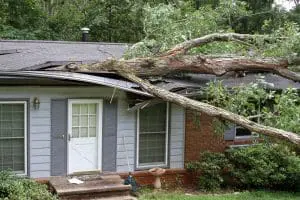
(124, 20)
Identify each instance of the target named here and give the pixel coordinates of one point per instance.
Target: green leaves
(168, 25)
(261, 166)
(285, 113)
(279, 109)
(264, 166)
(211, 167)
(16, 187)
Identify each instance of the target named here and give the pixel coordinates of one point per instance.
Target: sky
(286, 4)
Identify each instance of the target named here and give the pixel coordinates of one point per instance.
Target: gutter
(110, 82)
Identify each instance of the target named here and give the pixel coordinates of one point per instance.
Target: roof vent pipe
(85, 34)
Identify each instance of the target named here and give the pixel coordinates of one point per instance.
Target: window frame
(150, 165)
(25, 133)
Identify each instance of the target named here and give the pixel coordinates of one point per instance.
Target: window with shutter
(13, 150)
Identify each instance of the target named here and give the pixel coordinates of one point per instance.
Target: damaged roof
(26, 54)
(25, 59)
(194, 81)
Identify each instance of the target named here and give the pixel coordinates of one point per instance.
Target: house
(56, 123)
(202, 138)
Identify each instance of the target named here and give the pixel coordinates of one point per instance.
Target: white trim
(149, 165)
(99, 114)
(25, 133)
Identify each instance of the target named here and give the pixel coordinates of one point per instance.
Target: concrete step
(93, 187)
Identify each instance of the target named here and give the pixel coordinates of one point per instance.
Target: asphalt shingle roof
(18, 54)
(271, 81)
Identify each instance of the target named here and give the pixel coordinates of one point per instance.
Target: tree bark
(209, 109)
(245, 39)
(161, 66)
(175, 61)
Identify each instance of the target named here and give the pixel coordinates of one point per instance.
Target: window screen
(12, 137)
(152, 134)
(84, 117)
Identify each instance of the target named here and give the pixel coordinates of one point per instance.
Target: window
(84, 120)
(13, 150)
(241, 132)
(152, 136)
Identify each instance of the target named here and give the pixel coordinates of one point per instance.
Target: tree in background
(123, 20)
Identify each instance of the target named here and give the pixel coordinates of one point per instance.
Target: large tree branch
(184, 47)
(208, 109)
(193, 64)
(175, 61)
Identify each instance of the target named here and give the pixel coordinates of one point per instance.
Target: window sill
(244, 141)
(20, 174)
(149, 166)
(240, 145)
(248, 137)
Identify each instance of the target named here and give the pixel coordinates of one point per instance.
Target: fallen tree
(176, 60)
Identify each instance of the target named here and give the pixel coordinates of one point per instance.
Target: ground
(256, 195)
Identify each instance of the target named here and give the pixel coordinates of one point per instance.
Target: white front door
(85, 135)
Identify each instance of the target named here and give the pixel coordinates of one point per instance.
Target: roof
(21, 59)
(26, 58)
(271, 80)
(85, 78)
(198, 81)
(19, 54)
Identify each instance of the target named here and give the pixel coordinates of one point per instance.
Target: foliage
(211, 169)
(294, 15)
(21, 20)
(285, 113)
(287, 43)
(114, 21)
(254, 195)
(261, 166)
(158, 23)
(168, 25)
(15, 187)
(277, 109)
(266, 166)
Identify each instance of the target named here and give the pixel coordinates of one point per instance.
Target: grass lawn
(258, 195)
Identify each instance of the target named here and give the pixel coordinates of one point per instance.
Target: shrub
(211, 170)
(261, 166)
(265, 166)
(20, 188)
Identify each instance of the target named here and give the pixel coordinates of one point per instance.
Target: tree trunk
(211, 110)
(175, 61)
(161, 66)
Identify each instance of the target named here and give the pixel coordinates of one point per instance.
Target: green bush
(260, 166)
(265, 166)
(13, 187)
(211, 169)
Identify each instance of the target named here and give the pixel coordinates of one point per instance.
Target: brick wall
(171, 178)
(200, 136)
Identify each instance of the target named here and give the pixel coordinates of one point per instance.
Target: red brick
(202, 138)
